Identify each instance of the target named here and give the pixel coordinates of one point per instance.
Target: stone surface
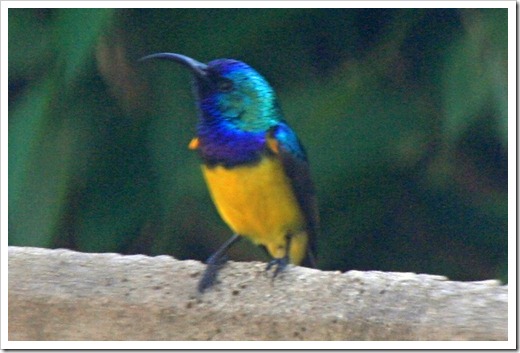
(66, 295)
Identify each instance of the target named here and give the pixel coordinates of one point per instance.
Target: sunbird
(253, 163)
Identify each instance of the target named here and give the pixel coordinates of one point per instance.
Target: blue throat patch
(228, 146)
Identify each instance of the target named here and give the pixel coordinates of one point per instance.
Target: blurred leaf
(39, 164)
(76, 32)
(29, 42)
(41, 142)
(475, 78)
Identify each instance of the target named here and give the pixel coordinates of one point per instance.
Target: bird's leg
(215, 263)
(281, 263)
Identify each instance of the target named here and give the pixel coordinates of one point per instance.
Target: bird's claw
(280, 264)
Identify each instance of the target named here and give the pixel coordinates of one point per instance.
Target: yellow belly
(258, 202)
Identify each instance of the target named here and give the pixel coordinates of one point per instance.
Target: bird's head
(230, 91)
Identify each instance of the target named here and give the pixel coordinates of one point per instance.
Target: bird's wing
(282, 141)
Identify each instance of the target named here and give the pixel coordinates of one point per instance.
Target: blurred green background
(403, 113)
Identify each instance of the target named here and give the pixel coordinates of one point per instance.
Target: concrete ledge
(66, 295)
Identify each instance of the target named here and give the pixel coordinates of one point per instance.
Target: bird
(253, 163)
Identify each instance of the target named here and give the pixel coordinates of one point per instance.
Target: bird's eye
(225, 85)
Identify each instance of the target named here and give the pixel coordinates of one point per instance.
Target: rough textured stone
(66, 295)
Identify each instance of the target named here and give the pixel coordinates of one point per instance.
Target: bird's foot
(280, 264)
(214, 264)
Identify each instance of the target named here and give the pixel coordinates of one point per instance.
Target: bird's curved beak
(198, 68)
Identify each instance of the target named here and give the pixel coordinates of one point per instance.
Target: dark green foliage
(403, 113)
